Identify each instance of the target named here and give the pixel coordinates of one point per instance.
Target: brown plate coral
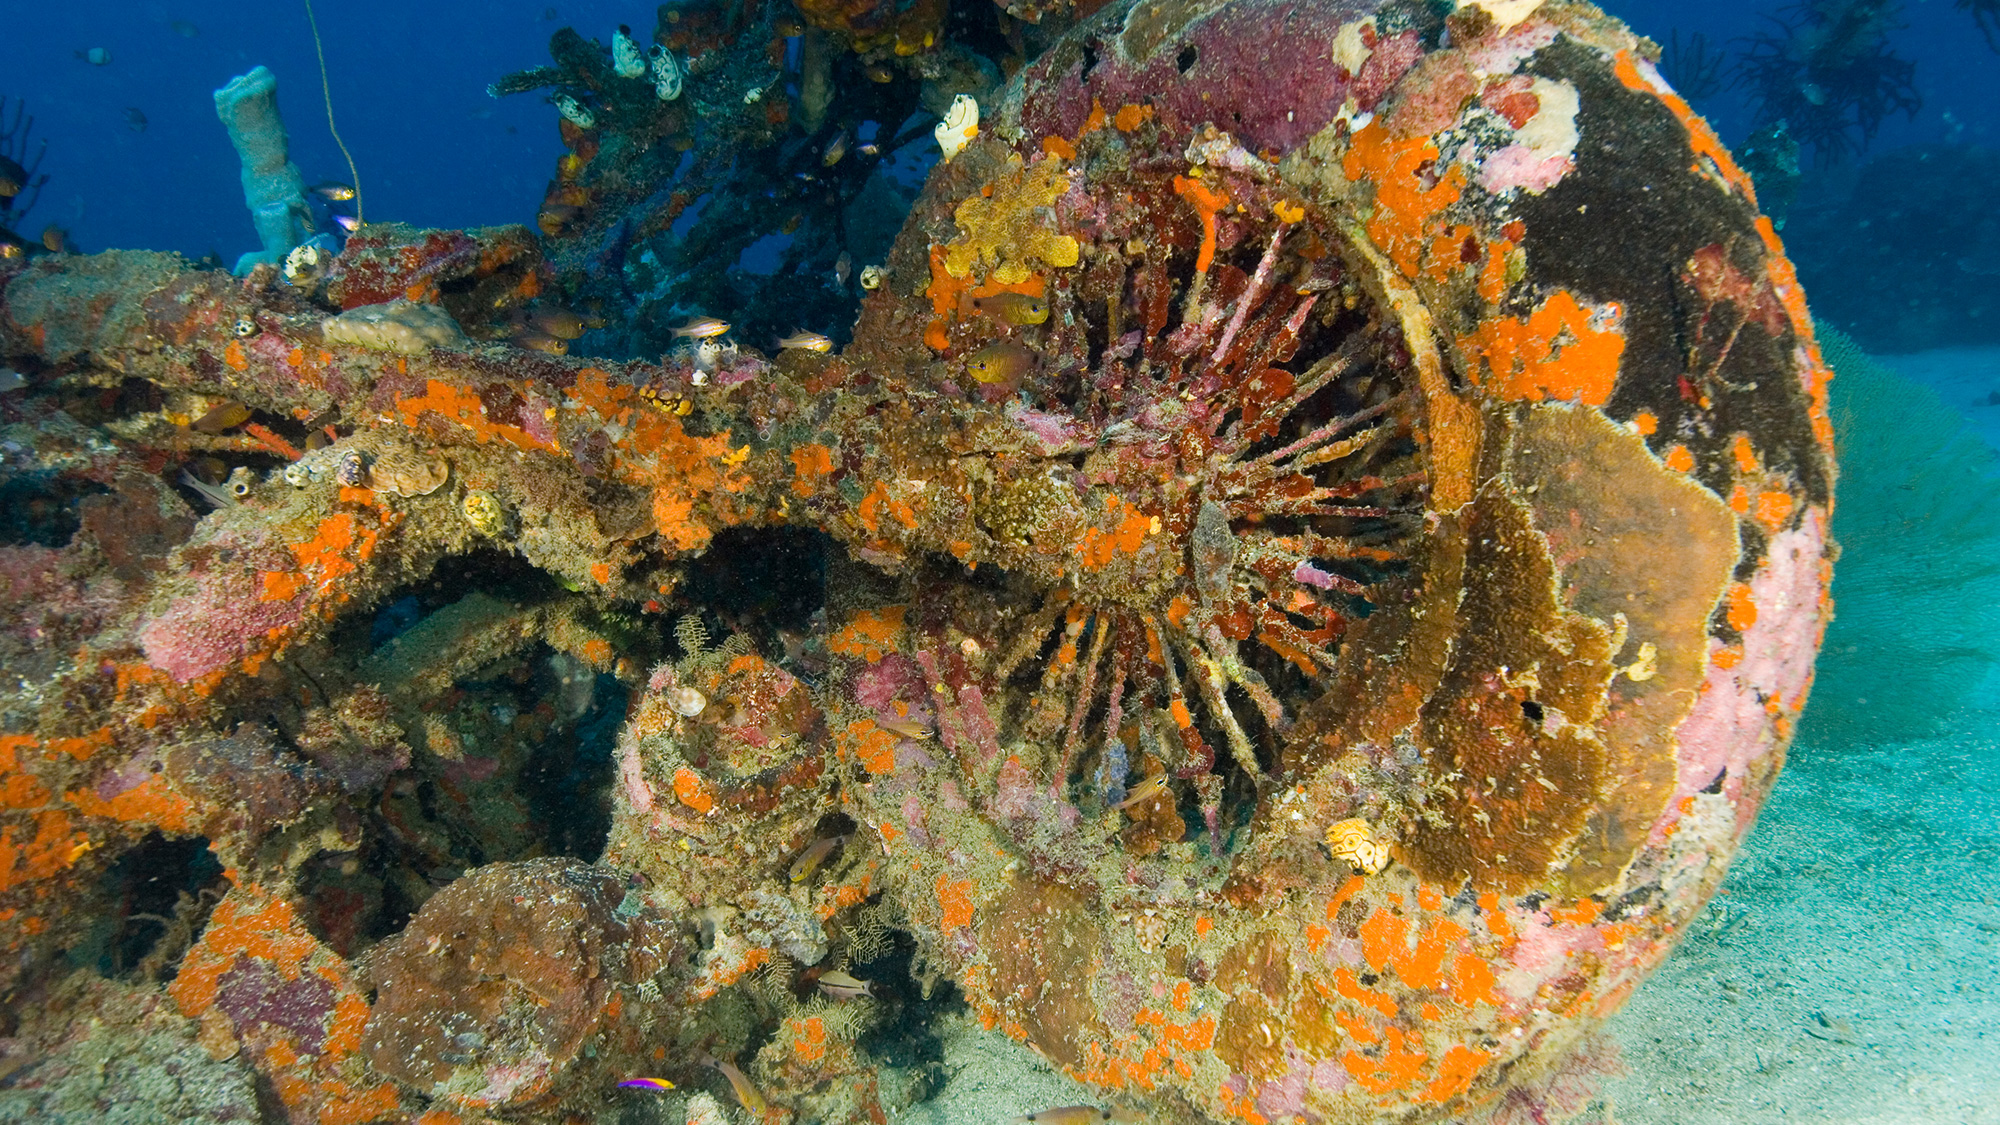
(1311, 665)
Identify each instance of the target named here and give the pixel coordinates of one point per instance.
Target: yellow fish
(814, 855)
(222, 417)
(747, 1094)
(1014, 308)
(810, 341)
(701, 328)
(540, 342)
(1002, 361)
(905, 728)
(560, 323)
(1155, 785)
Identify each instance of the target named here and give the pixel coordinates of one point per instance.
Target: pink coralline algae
(1322, 680)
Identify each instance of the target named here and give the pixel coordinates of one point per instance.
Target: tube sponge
(272, 186)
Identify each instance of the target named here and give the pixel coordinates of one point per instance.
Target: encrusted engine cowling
(1325, 540)
(1392, 602)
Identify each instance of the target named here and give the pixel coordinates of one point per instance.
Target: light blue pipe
(272, 186)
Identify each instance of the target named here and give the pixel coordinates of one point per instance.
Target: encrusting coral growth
(1297, 620)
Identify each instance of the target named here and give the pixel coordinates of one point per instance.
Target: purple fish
(658, 1084)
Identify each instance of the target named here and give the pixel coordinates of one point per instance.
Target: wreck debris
(1336, 494)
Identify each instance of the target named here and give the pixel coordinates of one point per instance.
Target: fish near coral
(657, 1085)
(221, 418)
(560, 323)
(1067, 1115)
(816, 853)
(1014, 308)
(701, 328)
(807, 341)
(837, 985)
(1001, 362)
(747, 1094)
(539, 342)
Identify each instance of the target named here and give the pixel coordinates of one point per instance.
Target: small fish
(56, 240)
(221, 418)
(814, 855)
(135, 119)
(841, 986)
(1067, 1115)
(560, 323)
(184, 28)
(13, 178)
(879, 74)
(1002, 361)
(904, 727)
(227, 494)
(556, 218)
(1155, 785)
(347, 223)
(540, 342)
(701, 328)
(843, 268)
(659, 1084)
(1014, 308)
(835, 150)
(809, 341)
(746, 1094)
(333, 191)
(869, 148)
(96, 56)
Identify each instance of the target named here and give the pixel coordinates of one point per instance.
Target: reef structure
(1330, 542)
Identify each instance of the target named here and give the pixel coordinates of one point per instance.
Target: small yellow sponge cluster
(1000, 229)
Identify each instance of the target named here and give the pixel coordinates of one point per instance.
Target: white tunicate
(960, 125)
(707, 355)
(686, 701)
(626, 57)
(666, 74)
(573, 111)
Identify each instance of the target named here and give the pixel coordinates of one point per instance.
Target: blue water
(409, 90)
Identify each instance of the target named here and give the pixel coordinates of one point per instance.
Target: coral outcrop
(1314, 665)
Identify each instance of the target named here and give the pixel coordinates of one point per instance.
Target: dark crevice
(160, 894)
